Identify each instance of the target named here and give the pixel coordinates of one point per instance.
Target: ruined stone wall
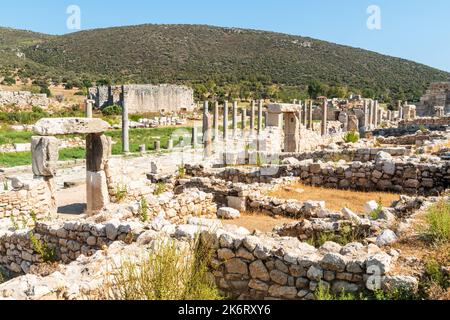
(72, 239)
(363, 155)
(26, 196)
(394, 175)
(23, 99)
(251, 267)
(146, 98)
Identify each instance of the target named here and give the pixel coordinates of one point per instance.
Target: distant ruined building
(145, 98)
(435, 101)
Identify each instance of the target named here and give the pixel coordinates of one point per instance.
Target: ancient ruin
(217, 182)
(145, 98)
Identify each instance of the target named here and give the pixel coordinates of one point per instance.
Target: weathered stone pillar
(235, 116)
(291, 132)
(216, 121)
(170, 144)
(376, 120)
(366, 115)
(400, 113)
(225, 121)
(324, 128)
(370, 126)
(305, 113)
(310, 115)
(260, 116)
(158, 146)
(207, 136)
(98, 151)
(244, 120)
(142, 149)
(252, 116)
(89, 107)
(125, 124)
(44, 152)
(194, 136)
(205, 115)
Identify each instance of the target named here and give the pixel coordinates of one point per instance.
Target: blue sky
(414, 29)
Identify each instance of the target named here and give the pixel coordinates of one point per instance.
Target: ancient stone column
(225, 121)
(310, 115)
(207, 136)
(89, 107)
(158, 146)
(400, 113)
(380, 116)
(170, 144)
(125, 124)
(205, 115)
(98, 151)
(370, 126)
(366, 115)
(142, 148)
(244, 120)
(194, 136)
(376, 120)
(324, 128)
(252, 116)
(235, 116)
(216, 121)
(291, 132)
(305, 113)
(260, 116)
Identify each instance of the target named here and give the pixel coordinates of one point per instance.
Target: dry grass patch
(335, 199)
(258, 221)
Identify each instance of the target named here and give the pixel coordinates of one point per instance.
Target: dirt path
(72, 201)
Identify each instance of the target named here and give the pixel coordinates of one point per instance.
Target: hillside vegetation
(222, 62)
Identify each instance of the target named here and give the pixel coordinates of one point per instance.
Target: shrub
(438, 220)
(323, 293)
(351, 137)
(161, 187)
(167, 274)
(121, 192)
(181, 171)
(113, 110)
(375, 213)
(47, 253)
(436, 275)
(9, 81)
(143, 210)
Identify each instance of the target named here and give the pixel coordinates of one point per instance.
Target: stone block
(44, 152)
(98, 150)
(62, 126)
(96, 191)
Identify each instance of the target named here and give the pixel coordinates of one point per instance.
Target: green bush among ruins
(166, 274)
(351, 137)
(438, 222)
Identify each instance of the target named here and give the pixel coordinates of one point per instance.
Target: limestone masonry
(145, 98)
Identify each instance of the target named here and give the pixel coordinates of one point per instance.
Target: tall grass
(166, 274)
(438, 222)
